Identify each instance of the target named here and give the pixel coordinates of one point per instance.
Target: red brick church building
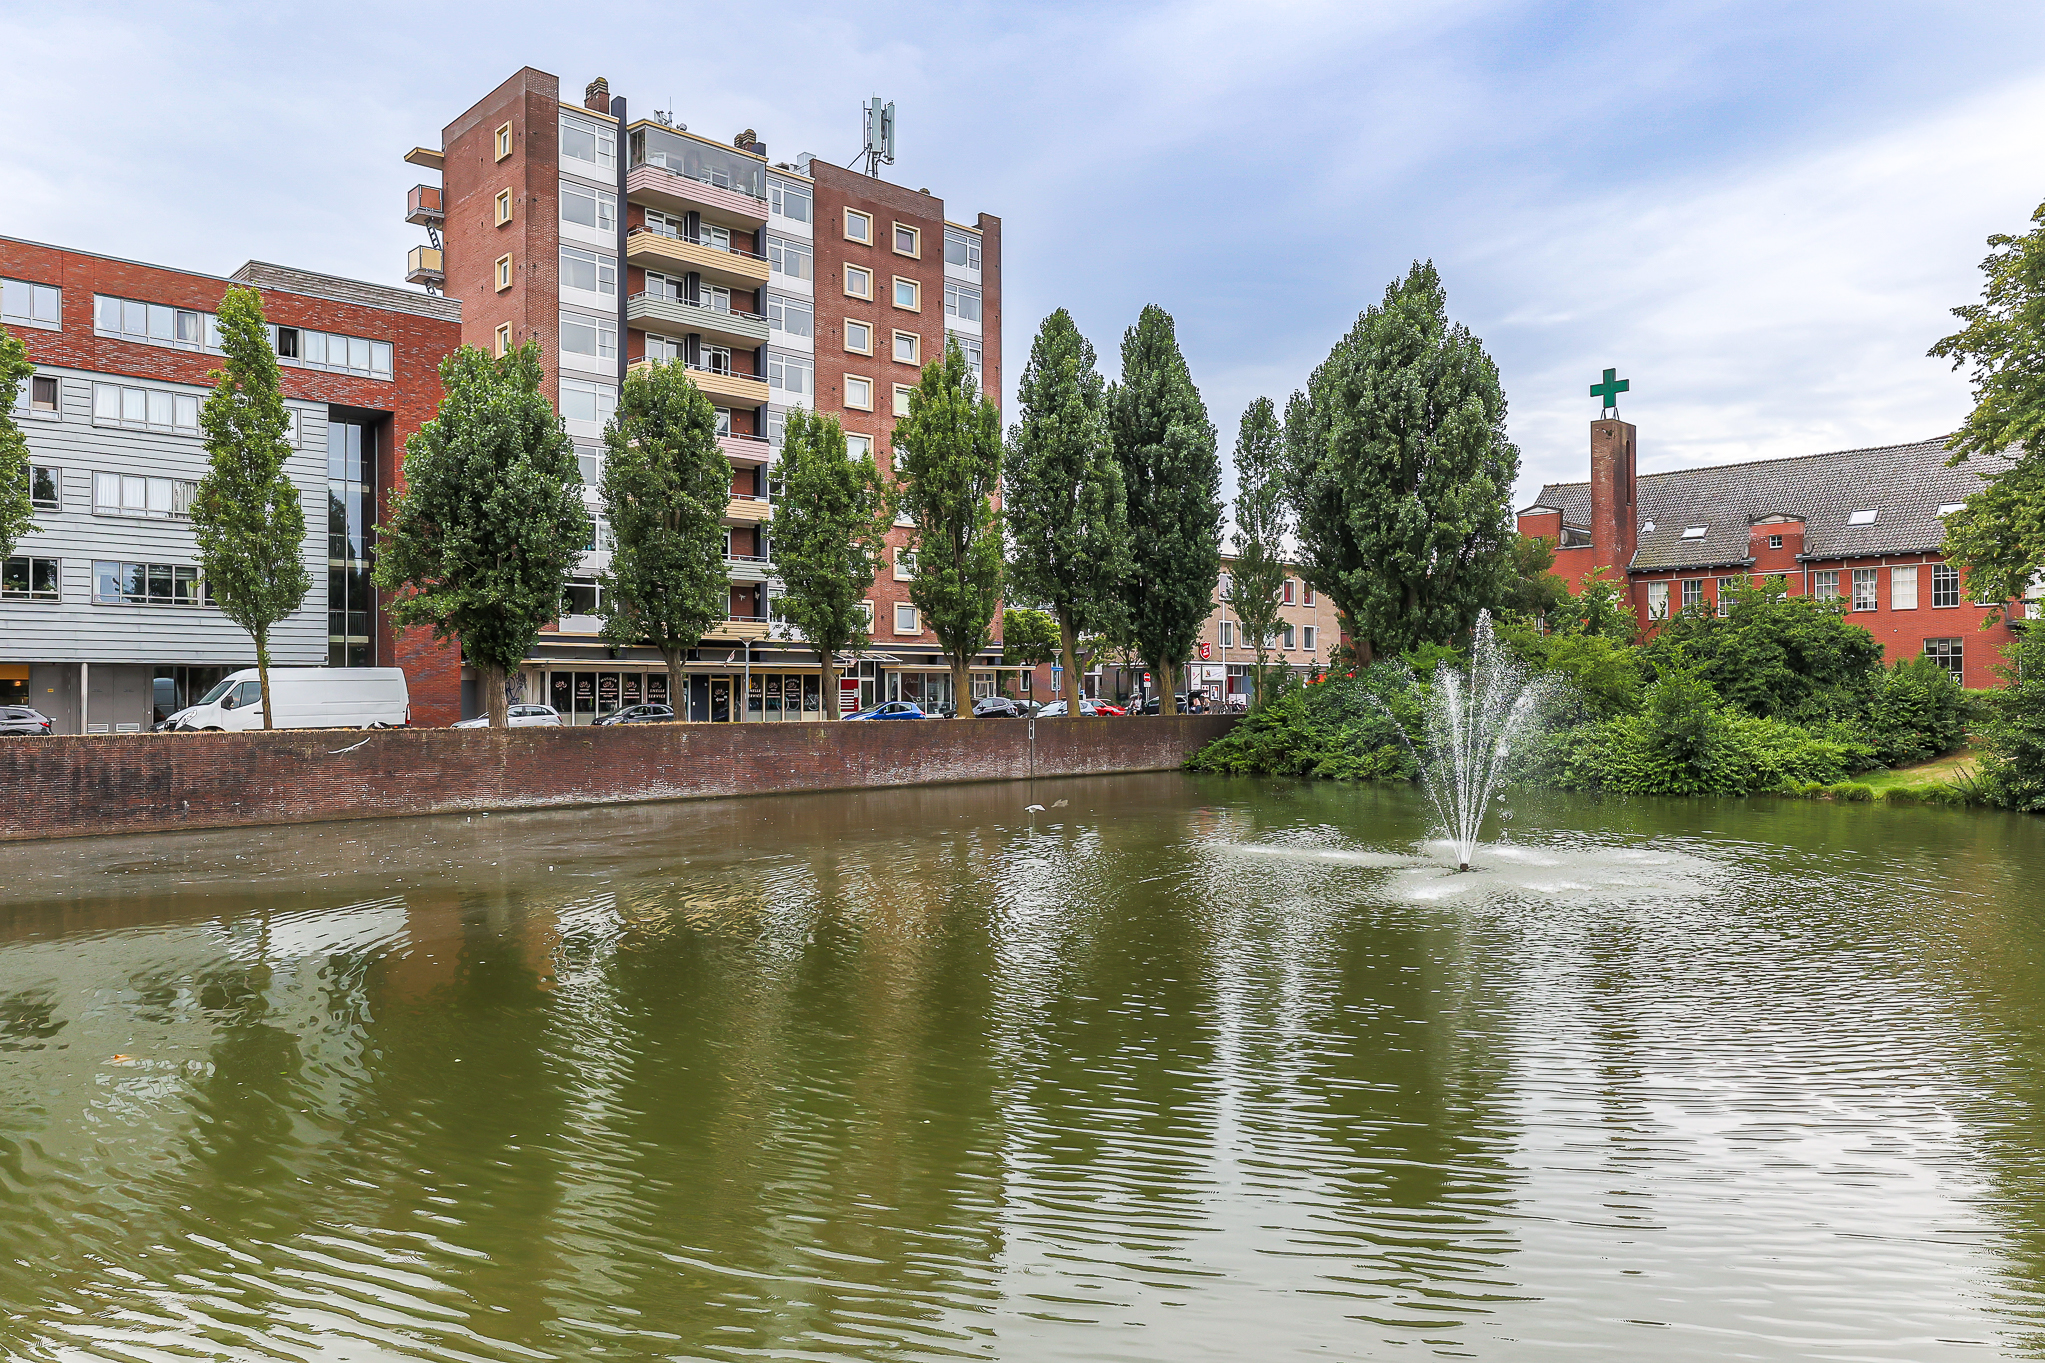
(1863, 527)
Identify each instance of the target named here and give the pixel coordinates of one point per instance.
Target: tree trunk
(1068, 643)
(677, 684)
(490, 677)
(1257, 691)
(1167, 698)
(962, 687)
(830, 683)
(263, 674)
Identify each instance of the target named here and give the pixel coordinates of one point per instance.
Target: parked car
(1002, 707)
(638, 714)
(19, 720)
(1102, 707)
(1154, 704)
(1088, 708)
(518, 717)
(892, 709)
(305, 697)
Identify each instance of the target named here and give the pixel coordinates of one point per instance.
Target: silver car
(520, 717)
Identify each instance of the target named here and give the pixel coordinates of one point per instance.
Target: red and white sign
(1204, 653)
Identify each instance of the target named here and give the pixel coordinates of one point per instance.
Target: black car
(638, 714)
(1198, 706)
(1001, 707)
(19, 721)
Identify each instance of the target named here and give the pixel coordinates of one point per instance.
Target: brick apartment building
(616, 242)
(1864, 527)
(104, 624)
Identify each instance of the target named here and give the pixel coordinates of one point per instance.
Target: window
(905, 565)
(902, 391)
(1285, 592)
(1693, 592)
(790, 201)
(1902, 589)
(791, 258)
(592, 273)
(1285, 636)
(723, 421)
(115, 404)
(42, 393)
(589, 463)
(858, 282)
(581, 596)
(504, 142)
(1226, 632)
(858, 226)
(503, 339)
(908, 348)
(310, 349)
(1657, 600)
(1945, 585)
(1306, 596)
(961, 301)
(596, 148)
(503, 273)
(1775, 541)
(155, 324)
(45, 488)
(146, 584)
(503, 207)
(599, 340)
(1947, 653)
(714, 359)
(858, 446)
(662, 349)
(127, 494)
(1948, 508)
(793, 375)
(582, 400)
(1863, 589)
(28, 579)
(1306, 640)
(859, 393)
(908, 240)
(908, 294)
(1725, 595)
(859, 338)
(1695, 532)
(596, 208)
(792, 315)
(961, 249)
(1825, 585)
(1861, 518)
(970, 348)
(905, 619)
(30, 305)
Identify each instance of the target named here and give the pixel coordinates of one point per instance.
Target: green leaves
(1263, 520)
(828, 537)
(665, 487)
(1029, 637)
(17, 513)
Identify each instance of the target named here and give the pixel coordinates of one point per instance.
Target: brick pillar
(1615, 520)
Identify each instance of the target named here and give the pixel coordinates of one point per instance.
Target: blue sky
(1760, 213)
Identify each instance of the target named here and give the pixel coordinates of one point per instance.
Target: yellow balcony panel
(423, 265)
(746, 449)
(748, 510)
(671, 255)
(673, 192)
(738, 628)
(742, 389)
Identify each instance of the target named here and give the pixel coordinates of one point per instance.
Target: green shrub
(1917, 712)
(1339, 728)
(1792, 657)
(1854, 792)
(2012, 730)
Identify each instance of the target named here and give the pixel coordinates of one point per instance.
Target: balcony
(673, 192)
(427, 265)
(742, 389)
(748, 329)
(423, 206)
(746, 509)
(749, 567)
(739, 628)
(673, 255)
(746, 449)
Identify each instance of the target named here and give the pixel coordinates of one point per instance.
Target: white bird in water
(1033, 809)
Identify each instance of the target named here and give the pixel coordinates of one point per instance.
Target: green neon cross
(1608, 392)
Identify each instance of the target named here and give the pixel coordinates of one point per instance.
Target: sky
(1760, 214)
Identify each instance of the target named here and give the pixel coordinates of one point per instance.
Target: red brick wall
(143, 783)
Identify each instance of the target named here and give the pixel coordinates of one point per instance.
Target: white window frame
(504, 274)
(603, 205)
(605, 266)
(1903, 588)
(915, 294)
(853, 215)
(781, 366)
(778, 308)
(902, 391)
(139, 497)
(781, 251)
(915, 623)
(969, 244)
(1226, 633)
(915, 348)
(958, 295)
(858, 446)
(864, 277)
(859, 392)
(1307, 635)
(1864, 577)
(604, 139)
(131, 404)
(905, 565)
(604, 329)
(1693, 592)
(599, 399)
(862, 345)
(1825, 584)
(780, 193)
(25, 303)
(55, 473)
(915, 251)
(1658, 600)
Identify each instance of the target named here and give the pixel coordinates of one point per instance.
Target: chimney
(1615, 516)
(744, 140)
(598, 96)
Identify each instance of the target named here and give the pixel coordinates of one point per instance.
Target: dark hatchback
(19, 721)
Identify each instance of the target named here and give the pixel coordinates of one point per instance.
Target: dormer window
(1647, 529)
(1948, 508)
(1695, 532)
(1861, 518)
(1775, 541)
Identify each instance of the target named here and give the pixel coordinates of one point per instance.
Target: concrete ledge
(148, 783)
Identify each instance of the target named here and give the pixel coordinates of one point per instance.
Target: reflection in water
(1186, 1069)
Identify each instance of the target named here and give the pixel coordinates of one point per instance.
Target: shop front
(586, 695)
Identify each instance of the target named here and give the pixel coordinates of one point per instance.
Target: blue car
(894, 709)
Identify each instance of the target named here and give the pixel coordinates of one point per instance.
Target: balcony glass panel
(703, 161)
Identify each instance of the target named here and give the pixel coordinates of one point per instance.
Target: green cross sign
(1608, 392)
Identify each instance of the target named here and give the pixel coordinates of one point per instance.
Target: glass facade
(351, 513)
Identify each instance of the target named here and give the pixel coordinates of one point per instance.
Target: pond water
(1179, 1069)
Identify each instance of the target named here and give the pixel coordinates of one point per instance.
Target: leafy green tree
(17, 511)
(665, 486)
(1774, 655)
(1599, 606)
(1031, 637)
(1402, 473)
(481, 540)
(1918, 711)
(1999, 537)
(1532, 590)
(1068, 526)
(1171, 473)
(1263, 521)
(2012, 771)
(829, 530)
(949, 452)
(246, 515)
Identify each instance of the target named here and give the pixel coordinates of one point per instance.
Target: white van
(306, 698)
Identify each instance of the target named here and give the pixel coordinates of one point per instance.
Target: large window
(794, 316)
(146, 584)
(585, 401)
(29, 579)
(596, 148)
(326, 350)
(24, 304)
(973, 353)
(791, 375)
(794, 259)
(584, 336)
(961, 249)
(1945, 585)
(585, 207)
(1902, 589)
(115, 404)
(1863, 589)
(1949, 654)
(351, 518)
(661, 349)
(961, 301)
(589, 462)
(1657, 600)
(1825, 585)
(590, 272)
(725, 167)
(125, 494)
(791, 201)
(46, 488)
(155, 323)
(1725, 595)
(1693, 593)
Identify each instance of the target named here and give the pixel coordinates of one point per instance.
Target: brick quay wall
(77, 786)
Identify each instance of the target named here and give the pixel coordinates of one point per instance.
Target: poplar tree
(481, 540)
(829, 540)
(17, 509)
(949, 449)
(665, 486)
(1401, 473)
(1068, 524)
(1263, 520)
(246, 515)
(1171, 474)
